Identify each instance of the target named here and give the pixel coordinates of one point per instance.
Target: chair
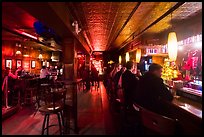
(54, 104)
(157, 124)
(30, 91)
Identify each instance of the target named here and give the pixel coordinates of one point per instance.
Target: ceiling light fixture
(172, 45)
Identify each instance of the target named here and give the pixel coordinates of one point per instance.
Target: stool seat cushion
(50, 108)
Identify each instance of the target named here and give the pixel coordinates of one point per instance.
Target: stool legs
(48, 116)
(46, 121)
(43, 126)
(60, 127)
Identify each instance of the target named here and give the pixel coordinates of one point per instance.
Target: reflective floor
(94, 117)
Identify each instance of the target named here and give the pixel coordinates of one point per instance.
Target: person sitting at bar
(117, 83)
(129, 84)
(151, 89)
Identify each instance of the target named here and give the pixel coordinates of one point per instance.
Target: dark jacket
(150, 91)
(129, 85)
(117, 77)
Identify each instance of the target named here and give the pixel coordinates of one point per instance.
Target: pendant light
(120, 59)
(138, 55)
(172, 45)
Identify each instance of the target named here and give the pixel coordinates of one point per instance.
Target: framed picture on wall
(33, 64)
(18, 63)
(8, 63)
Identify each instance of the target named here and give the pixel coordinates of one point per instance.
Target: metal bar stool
(54, 104)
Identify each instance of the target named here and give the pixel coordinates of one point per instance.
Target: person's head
(43, 67)
(129, 64)
(156, 69)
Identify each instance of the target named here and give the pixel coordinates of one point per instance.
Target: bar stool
(158, 124)
(54, 104)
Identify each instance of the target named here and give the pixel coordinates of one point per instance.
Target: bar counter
(190, 106)
(188, 113)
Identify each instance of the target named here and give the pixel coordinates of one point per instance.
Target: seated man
(129, 83)
(151, 89)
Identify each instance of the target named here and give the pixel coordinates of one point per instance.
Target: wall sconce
(120, 59)
(40, 56)
(127, 57)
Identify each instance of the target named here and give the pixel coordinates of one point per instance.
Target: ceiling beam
(74, 12)
(153, 23)
(56, 16)
(23, 36)
(128, 19)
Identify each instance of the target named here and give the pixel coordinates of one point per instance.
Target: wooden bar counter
(189, 114)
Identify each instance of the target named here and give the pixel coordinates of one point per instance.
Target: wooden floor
(94, 117)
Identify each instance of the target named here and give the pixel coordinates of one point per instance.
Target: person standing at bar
(151, 89)
(129, 84)
(43, 72)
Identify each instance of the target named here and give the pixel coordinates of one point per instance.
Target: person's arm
(163, 91)
(12, 75)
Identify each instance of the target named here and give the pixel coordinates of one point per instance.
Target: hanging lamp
(172, 45)
(120, 59)
(138, 55)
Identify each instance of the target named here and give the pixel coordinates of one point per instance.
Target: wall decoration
(33, 64)
(8, 63)
(26, 65)
(18, 63)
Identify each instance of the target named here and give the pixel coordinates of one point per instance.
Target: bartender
(18, 72)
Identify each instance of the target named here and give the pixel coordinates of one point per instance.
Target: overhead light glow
(180, 48)
(198, 44)
(26, 55)
(31, 36)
